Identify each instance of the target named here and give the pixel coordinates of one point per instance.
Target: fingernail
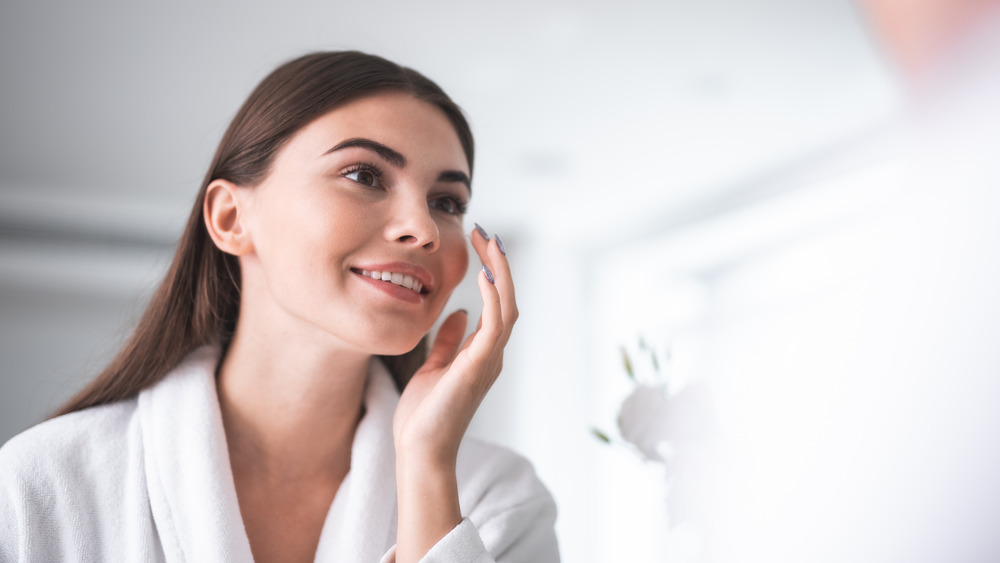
(500, 244)
(482, 231)
(489, 274)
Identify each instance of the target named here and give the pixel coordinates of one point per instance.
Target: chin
(398, 351)
(399, 345)
(389, 338)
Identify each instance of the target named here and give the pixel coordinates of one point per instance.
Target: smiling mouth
(396, 278)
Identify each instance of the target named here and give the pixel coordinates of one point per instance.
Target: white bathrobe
(148, 479)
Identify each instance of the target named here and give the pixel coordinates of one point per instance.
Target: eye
(450, 205)
(364, 174)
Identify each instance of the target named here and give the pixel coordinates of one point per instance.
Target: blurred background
(761, 191)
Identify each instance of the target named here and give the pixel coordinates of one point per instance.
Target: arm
(437, 405)
(509, 514)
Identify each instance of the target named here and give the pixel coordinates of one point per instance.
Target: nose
(412, 224)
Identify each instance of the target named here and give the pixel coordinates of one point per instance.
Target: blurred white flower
(660, 426)
(677, 430)
(643, 421)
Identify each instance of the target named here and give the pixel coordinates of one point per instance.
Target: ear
(223, 214)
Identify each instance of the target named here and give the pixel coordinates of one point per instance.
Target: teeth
(403, 280)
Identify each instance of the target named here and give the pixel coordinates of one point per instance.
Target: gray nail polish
(489, 274)
(482, 231)
(500, 244)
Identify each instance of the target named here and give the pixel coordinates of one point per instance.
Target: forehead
(419, 130)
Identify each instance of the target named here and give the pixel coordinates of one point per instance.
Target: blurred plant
(677, 429)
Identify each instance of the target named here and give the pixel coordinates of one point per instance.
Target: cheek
(455, 256)
(298, 239)
(286, 239)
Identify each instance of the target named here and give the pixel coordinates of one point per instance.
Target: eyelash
(364, 167)
(461, 205)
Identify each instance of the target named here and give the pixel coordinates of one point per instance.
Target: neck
(290, 408)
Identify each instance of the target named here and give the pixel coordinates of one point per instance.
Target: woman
(255, 413)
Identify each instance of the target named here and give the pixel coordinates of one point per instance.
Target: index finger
(492, 253)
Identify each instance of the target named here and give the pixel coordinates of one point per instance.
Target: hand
(440, 400)
(437, 405)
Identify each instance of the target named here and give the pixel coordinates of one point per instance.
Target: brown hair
(198, 301)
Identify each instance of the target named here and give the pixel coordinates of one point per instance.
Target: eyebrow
(398, 160)
(391, 156)
(456, 176)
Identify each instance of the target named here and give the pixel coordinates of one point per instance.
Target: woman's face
(357, 230)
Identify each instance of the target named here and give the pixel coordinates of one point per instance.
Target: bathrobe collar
(191, 489)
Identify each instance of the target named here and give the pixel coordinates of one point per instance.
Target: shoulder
(509, 505)
(68, 441)
(485, 469)
(67, 458)
(63, 482)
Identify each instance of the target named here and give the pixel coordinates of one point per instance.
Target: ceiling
(589, 116)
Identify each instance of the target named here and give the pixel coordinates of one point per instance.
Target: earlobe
(224, 218)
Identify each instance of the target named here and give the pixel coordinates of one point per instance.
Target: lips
(404, 280)
(400, 274)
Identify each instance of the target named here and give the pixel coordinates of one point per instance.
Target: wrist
(425, 455)
(427, 500)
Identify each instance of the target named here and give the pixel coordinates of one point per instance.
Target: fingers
(491, 322)
(448, 339)
(491, 253)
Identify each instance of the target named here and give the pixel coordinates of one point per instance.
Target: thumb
(449, 338)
